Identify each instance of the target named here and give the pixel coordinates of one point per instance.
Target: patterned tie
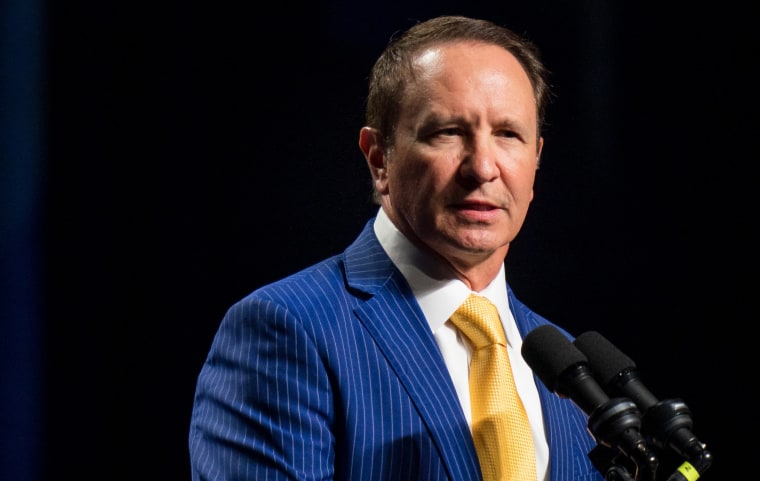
(500, 425)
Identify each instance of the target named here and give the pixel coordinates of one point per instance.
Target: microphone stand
(673, 422)
(616, 426)
(608, 461)
(622, 454)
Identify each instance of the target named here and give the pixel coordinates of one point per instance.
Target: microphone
(615, 423)
(668, 422)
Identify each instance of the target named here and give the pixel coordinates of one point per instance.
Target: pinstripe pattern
(565, 424)
(333, 374)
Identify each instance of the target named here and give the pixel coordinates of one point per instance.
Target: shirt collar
(437, 291)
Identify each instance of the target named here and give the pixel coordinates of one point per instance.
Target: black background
(195, 151)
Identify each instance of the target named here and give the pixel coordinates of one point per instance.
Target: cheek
(520, 181)
(413, 177)
(423, 175)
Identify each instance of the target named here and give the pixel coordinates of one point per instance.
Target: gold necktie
(500, 426)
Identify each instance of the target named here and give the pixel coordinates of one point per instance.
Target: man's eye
(449, 132)
(507, 133)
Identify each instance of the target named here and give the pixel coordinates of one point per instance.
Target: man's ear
(539, 149)
(371, 145)
(538, 152)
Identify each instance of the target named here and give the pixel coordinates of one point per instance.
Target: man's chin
(476, 245)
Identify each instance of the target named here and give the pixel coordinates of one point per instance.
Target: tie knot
(479, 321)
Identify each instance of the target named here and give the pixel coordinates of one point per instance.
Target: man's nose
(480, 161)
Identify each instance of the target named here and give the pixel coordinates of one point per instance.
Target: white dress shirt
(439, 295)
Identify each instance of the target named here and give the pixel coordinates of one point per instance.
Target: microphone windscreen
(550, 353)
(605, 360)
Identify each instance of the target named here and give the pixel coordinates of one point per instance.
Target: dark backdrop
(191, 152)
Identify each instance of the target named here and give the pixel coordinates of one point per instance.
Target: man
(351, 369)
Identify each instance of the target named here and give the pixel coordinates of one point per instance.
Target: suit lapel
(561, 422)
(393, 318)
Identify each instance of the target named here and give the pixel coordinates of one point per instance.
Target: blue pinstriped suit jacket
(333, 374)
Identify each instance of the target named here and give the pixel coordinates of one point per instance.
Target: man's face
(459, 175)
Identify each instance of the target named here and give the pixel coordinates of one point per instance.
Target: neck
(479, 275)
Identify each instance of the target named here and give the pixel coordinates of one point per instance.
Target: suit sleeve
(262, 407)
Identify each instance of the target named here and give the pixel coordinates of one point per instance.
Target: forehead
(464, 72)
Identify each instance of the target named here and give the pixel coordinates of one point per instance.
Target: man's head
(452, 138)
